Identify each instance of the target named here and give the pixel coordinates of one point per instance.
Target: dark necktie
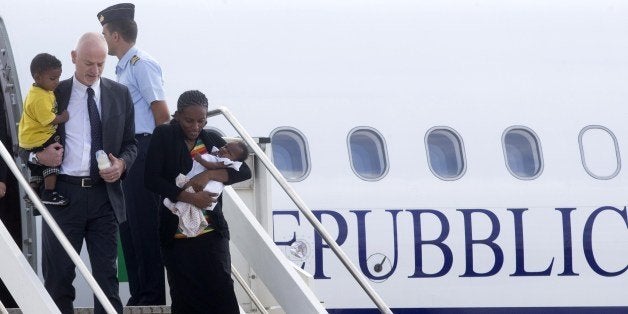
(96, 127)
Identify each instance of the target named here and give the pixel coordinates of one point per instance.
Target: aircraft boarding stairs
(273, 284)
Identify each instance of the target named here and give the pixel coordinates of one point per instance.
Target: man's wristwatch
(32, 158)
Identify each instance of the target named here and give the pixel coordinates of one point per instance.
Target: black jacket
(167, 157)
(118, 126)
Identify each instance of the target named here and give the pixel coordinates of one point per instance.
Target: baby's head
(235, 151)
(46, 70)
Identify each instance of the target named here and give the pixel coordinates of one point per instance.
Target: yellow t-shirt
(40, 108)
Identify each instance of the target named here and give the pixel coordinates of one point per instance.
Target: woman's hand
(203, 199)
(199, 181)
(3, 189)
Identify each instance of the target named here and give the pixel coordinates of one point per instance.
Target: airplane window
(367, 152)
(599, 152)
(290, 153)
(522, 150)
(445, 153)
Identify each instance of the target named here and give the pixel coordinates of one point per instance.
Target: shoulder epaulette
(134, 59)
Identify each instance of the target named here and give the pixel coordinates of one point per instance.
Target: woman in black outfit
(199, 268)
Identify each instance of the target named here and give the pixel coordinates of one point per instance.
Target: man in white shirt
(101, 117)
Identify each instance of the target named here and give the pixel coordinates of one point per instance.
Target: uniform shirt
(141, 74)
(78, 138)
(40, 108)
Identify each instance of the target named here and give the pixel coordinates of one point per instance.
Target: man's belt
(141, 135)
(84, 182)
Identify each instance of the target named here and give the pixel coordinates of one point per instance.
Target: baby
(191, 218)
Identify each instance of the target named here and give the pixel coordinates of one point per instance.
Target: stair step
(161, 309)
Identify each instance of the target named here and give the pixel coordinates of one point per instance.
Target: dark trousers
(199, 274)
(140, 235)
(90, 217)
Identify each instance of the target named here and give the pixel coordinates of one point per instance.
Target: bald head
(89, 58)
(91, 40)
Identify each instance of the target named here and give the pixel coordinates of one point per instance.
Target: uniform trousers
(90, 217)
(140, 234)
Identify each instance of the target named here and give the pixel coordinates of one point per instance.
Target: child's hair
(245, 151)
(44, 62)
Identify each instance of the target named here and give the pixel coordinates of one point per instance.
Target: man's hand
(113, 173)
(51, 156)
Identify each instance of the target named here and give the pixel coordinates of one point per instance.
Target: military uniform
(142, 75)
(139, 235)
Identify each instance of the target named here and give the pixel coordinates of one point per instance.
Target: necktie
(96, 132)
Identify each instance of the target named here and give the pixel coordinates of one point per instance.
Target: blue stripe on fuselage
(494, 310)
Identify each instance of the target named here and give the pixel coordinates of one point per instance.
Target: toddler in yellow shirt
(38, 125)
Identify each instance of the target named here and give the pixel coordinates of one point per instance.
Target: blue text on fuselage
(469, 242)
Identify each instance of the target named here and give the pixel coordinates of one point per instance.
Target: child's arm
(61, 118)
(208, 164)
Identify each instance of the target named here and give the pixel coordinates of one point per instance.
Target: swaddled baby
(191, 218)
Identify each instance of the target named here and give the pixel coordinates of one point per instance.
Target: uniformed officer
(142, 75)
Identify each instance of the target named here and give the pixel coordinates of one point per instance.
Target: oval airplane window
(290, 153)
(445, 153)
(522, 151)
(599, 152)
(367, 152)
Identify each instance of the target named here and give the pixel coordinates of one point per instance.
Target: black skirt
(199, 274)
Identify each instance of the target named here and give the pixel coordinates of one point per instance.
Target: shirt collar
(124, 61)
(82, 88)
(38, 88)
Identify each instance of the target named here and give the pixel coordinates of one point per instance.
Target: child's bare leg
(50, 196)
(50, 182)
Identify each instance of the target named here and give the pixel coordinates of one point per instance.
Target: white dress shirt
(78, 139)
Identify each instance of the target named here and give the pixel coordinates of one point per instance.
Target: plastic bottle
(103, 160)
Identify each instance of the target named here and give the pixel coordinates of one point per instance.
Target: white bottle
(103, 160)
